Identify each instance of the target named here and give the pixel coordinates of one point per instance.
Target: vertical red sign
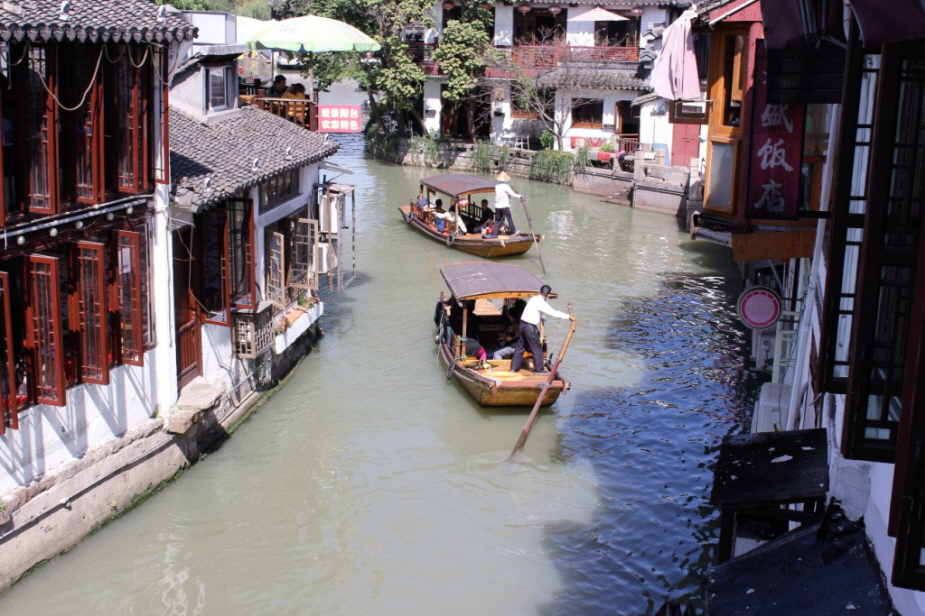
(340, 118)
(776, 151)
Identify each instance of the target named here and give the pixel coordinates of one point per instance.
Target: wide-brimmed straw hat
(502, 176)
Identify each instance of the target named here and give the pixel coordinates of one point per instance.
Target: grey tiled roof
(592, 79)
(91, 20)
(225, 151)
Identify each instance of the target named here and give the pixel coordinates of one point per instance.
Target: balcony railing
(301, 112)
(423, 54)
(534, 59)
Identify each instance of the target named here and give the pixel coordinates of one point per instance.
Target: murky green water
(371, 485)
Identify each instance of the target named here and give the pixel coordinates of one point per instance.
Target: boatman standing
(503, 194)
(530, 330)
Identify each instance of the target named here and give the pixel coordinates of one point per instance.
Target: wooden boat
(484, 291)
(469, 190)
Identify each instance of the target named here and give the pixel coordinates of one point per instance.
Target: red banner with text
(340, 119)
(776, 153)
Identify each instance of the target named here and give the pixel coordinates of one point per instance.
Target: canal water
(370, 484)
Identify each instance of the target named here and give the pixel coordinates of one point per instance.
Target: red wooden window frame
(133, 118)
(593, 122)
(89, 311)
(243, 286)
(128, 288)
(43, 330)
(162, 170)
(89, 179)
(3, 203)
(37, 133)
(216, 308)
(9, 415)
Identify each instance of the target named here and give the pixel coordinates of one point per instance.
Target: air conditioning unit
(771, 409)
(327, 260)
(330, 212)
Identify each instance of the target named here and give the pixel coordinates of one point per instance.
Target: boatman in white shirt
(503, 194)
(530, 330)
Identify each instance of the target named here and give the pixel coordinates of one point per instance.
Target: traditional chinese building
(86, 352)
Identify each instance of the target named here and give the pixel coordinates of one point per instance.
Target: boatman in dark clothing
(530, 330)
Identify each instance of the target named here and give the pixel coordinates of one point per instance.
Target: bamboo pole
(536, 242)
(545, 387)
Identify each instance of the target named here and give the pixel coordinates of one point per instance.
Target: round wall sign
(759, 307)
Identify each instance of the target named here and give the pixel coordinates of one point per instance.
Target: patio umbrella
(310, 34)
(674, 75)
(597, 14)
(248, 28)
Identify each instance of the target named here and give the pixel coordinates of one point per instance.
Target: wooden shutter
(89, 307)
(212, 281)
(128, 284)
(162, 157)
(275, 267)
(37, 133)
(303, 272)
(241, 253)
(9, 415)
(43, 330)
(87, 160)
(131, 110)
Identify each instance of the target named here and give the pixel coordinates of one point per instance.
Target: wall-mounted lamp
(448, 6)
(53, 232)
(555, 10)
(110, 216)
(524, 8)
(79, 225)
(21, 240)
(487, 6)
(129, 210)
(637, 11)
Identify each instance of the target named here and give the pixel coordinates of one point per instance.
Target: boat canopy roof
(484, 279)
(456, 184)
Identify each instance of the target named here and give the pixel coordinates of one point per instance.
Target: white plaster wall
(432, 101)
(218, 355)
(504, 25)
(649, 18)
(50, 436)
(214, 28)
(655, 127)
(609, 98)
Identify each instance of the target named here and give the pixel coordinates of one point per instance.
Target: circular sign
(759, 307)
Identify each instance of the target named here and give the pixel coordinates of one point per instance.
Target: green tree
(464, 52)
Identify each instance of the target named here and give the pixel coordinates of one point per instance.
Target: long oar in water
(536, 241)
(543, 389)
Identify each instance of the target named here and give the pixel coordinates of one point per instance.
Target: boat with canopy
(484, 298)
(464, 195)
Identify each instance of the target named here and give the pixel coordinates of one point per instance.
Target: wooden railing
(422, 54)
(301, 112)
(533, 59)
(188, 351)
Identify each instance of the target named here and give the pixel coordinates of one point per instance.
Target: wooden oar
(544, 388)
(536, 242)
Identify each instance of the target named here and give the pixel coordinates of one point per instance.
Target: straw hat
(502, 176)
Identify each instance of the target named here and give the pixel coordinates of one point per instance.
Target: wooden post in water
(544, 388)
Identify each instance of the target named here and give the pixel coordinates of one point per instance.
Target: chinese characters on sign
(340, 119)
(776, 151)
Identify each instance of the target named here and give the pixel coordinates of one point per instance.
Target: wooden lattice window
(132, 116)
(9, 416)
(128, 284)
(212, 238)
(588, 113)
(303, 272)
(279, 189)
(275, 268)
(43, 335)
(88, 311)
(34, 79)
(81, 129)
(160, 146)
(241, 253)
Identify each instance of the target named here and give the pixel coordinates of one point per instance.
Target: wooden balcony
(532, 60)
(301, 112)
(422, 54)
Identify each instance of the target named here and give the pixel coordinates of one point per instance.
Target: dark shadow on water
(652, 446)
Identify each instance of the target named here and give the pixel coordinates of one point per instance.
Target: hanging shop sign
(759, 307)
(775, 159)
(340, 118)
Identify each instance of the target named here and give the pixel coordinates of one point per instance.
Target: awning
(456, 184)
(788, 22)
(470, 280)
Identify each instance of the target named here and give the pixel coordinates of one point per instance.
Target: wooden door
(189, 335)
(685, 144)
